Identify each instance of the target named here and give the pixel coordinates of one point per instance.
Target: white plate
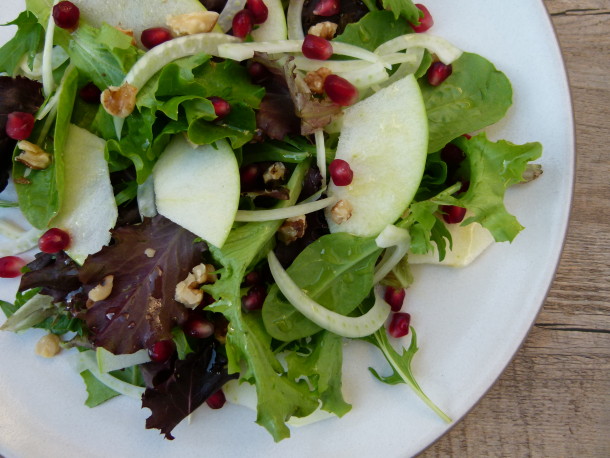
(470, 322)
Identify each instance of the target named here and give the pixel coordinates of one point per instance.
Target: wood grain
(554, 398)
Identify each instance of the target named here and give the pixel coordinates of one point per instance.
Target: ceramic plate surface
(470, 322)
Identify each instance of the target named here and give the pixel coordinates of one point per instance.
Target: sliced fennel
(48, 83)
(24, 242)
(398, 241)
(294, 21)
(321, 154)
(284, 212)
(243, 51)
(146, 199)
(342, 325)
(444, 50)
(108, 362)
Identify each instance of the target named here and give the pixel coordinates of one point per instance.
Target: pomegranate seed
(198, 327)
(452, 155)
(155, 36)
(54, 241)
(90, 93)
(395, 298)
(467, 136)
(399, 325)
(340, 90)
(19, 125)
(253, 278)
(425, 22)
(10, 266)
(255, 298)
(161, 351)
(340, 172)
(453, 214)
(327, 8)
(438, 72)
(257, 71)
(217, 400)
(250, 177)
(242, 23)
(221, 106)
(258, 9)
(66, 15)
(316, 48)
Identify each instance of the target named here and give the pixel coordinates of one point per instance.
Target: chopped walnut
(119, 101)
(315, 80)
(188, 291)
(22, 180)
(150, 252)
(341, 211)
(275, 172)
(33, 156)
(191, 23)
(292, 229)
(324, 29)
(48, 346)
(103, 290)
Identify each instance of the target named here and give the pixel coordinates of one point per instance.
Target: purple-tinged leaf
(140, 309)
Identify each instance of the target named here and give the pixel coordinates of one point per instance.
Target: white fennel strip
(48, 83)
(321, 154)
(445, 51)
(397, 242)
(274, 214)
(293, 18)
(342, 325)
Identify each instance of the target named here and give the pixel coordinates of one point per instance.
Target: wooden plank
(554, 398)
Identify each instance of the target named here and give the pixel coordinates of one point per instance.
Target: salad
(220, 198)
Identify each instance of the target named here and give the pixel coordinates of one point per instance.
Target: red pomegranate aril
(221, 107)
(316, 48)
(340, 90)
(253, 278)
(255, 298)
(217, 400)
(161, 351)
(453, 214)
(424, 22)
(327, 8)
(438, 72)
(257, 71)
(155, 36)
(19, 125)
(54, 241)
(399, 325)
(250, 177)
(259, 10)
(452, 155)
(10, 266)
(66, 15)
(467, 136)
(395, 298)
(90, 93)
(198, 327)
(340, 172)
(242, 23)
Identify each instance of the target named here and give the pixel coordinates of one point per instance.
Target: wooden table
(554, 398)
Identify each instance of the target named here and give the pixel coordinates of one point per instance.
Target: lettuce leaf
(494, 166)
(404, 8)
(26, 41)
(373, 29)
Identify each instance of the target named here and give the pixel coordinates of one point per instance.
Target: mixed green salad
(221, 192)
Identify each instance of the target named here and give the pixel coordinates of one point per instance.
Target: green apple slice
(89, 210)
(468, 243)
(384, 139)
(136, 15)
(197, 187)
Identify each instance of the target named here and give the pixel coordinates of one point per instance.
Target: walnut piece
(33, 156)
(103, 290)
(127, 32)
(324, 29)
(119, 101)
(341, 211)
(188, 291)
(191, 23)
(48, 346)
(292, 229)
(315, 80)
(150, 252)
(275, 172)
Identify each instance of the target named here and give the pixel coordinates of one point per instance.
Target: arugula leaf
(336, 271)
(404, 8)
(9, 309)
(475, 96)
(26, 41)
(494, 166)
(373, 29)
(322, 367)
(401, 366)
